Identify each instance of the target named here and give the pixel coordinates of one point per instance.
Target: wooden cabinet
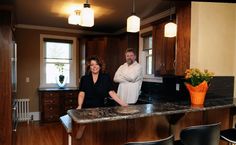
(70, 100)
(163, 51)
(55, 103)
(171, 56)
(7, 135)
(111, 49)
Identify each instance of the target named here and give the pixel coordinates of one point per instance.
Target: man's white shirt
(130, 80)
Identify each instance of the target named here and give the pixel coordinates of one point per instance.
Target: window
(57, 57)
(147, 48)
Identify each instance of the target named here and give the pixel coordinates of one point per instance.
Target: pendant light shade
(170, 29)
(133, 21)
(74, 18)
(133, 24)
(87, 16)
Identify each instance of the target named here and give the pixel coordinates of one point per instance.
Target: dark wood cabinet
(111, 49)
(163, 51)
(171, 56)
(7, 131)
(55, 103)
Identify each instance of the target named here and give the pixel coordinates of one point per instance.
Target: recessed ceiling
(110, 15)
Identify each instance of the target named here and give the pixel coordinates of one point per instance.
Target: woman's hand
(125, 104)
(79, 107)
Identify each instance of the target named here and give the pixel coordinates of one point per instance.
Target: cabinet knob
(51, 108)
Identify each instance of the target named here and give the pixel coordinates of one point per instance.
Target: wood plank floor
(39, 134)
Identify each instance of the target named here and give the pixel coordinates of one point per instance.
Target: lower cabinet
(55, 103)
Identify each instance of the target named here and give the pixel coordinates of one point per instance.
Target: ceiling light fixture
(87, 15)
(171, 27)
(133, 21)
(74, 18)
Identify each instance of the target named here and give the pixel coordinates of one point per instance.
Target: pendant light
(133, 21)
(87, 15)
(74, 18)
(170, 29)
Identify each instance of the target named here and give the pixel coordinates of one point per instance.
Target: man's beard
(129, 61)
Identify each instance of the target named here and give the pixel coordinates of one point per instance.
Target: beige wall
(213, 37)
(28, 63)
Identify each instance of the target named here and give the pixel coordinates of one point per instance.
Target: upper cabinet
(111, 49)
(171, 56)
(183, 18)
(163, 50)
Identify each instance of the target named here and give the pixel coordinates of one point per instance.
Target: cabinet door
(70, 100)
(96, 47)
(163, 51)
(50, 106)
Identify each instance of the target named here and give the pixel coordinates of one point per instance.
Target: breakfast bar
(118, 125)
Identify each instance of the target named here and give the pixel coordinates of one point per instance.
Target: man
(129, 76)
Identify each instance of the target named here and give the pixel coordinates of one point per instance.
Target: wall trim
(36, 27)
(35, 116)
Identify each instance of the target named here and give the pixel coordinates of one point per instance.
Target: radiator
(22, 109)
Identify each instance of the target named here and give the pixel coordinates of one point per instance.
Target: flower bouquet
(197, 84)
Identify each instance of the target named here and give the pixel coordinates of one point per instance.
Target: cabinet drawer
(51, 117)
(68, 107)
(51, 109)
(71, 101)
(71, 94)
(51, 98)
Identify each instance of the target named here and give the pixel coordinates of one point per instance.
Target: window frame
(146, 53)
(73, 69)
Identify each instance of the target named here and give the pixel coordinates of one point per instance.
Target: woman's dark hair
(99, 62)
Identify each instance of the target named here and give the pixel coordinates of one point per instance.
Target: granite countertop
(92, 115)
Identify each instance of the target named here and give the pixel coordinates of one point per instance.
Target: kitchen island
(118, 125)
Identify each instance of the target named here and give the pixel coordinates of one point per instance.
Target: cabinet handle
(51, 108)
(174, 63)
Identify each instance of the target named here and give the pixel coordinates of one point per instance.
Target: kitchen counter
(118, 125)
(93, 115)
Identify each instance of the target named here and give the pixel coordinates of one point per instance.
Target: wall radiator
(22, 111)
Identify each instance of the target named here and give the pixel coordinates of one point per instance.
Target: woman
(95, 86)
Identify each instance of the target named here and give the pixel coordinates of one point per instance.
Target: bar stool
(166, 141)
(229, 135)
(201, 135)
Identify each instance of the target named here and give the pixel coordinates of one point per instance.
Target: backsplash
(173, 88)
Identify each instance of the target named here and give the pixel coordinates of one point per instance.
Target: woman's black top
(95, 93)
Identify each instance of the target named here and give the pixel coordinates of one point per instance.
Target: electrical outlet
(177, 87)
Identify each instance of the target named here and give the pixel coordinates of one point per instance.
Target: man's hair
(130, 50)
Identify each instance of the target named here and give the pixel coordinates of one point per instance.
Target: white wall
(213, 37)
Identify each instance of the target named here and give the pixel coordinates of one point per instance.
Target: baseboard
(34, 116)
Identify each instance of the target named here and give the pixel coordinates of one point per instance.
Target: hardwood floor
(35, 133)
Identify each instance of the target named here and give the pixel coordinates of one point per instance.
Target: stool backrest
(166, 141)
(201, 135)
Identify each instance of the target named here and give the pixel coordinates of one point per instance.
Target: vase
(197, 93)
(61, 81)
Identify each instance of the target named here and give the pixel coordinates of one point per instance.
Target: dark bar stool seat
(200, 135)
(166, 141)
(229, 135)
